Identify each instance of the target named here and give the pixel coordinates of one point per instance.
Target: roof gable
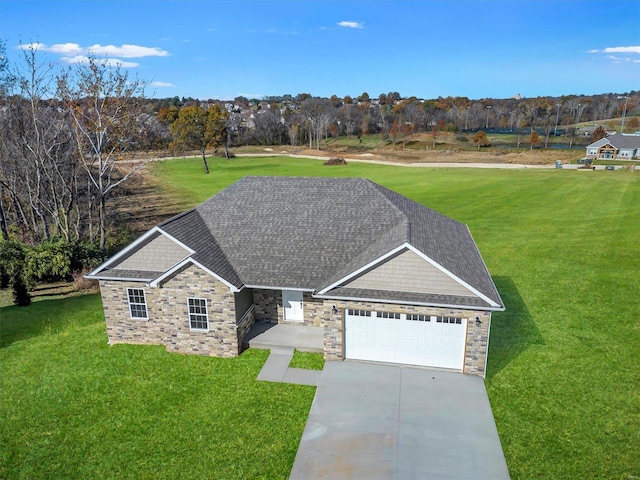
(407, 271)
(145, 258)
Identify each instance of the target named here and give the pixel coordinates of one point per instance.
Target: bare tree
(38, 164)
(103, 104)
(319, 112)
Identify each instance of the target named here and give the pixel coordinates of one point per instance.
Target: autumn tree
(168, 115)
(199, 128)
(481, 139)
(633, 124)
(104, 104)
(598, 133)
(534, 139)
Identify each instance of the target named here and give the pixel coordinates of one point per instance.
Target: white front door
(292, 304)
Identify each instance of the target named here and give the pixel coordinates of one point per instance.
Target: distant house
(387, 279)
(615, 147)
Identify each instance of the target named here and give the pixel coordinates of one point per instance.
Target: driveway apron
(374, 421)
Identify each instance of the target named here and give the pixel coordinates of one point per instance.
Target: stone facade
(267, 304)
(168, 315)
(245, 324)
(168, 322)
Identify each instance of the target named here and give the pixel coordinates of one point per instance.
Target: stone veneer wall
(477, 336)
(245, 324)
(168, 322)
(266, 304)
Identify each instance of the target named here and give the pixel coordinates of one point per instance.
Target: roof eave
(401, 302)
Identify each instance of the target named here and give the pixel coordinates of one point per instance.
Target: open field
(563, 371)
(419, 148)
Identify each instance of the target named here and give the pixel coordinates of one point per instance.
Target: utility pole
(624, 113)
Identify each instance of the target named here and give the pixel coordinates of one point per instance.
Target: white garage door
(412, 339)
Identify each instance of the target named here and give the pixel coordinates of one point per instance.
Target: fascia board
(271, 287)
(119, 279)
(421, 304)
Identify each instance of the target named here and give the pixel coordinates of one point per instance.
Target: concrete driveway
(373, 421)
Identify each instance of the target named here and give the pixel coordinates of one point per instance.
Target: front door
(292, 304)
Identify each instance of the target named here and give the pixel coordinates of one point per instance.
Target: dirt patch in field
(521, 157)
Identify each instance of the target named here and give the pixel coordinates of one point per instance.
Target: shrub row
(22, 266)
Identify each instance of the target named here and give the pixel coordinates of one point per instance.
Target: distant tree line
(307, 120)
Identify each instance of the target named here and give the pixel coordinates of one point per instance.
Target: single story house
(387, 279)
(615, 147)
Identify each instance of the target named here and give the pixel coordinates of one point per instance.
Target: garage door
(411, 339)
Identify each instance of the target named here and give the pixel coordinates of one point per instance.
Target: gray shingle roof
(618, 141)
(191, 230)
(309, 233)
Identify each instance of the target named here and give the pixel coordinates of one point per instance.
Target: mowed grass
(71, 407)
(562, 246)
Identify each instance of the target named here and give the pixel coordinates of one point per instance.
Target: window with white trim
(198, 317)
(137, 303)
(453, 320)
(360, 313)
(389, 315)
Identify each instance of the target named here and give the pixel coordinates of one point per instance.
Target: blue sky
(429, 48)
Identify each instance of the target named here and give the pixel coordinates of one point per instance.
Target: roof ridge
(382, 190)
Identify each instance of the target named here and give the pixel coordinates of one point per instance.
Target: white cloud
(635, 49)
(127, 51)
(75, 53)
(162, 84)
(620, 59)
(74, 49)
(351, 24)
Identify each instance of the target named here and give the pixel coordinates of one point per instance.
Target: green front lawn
(73, 407)
(563, 369)
(564, 251)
